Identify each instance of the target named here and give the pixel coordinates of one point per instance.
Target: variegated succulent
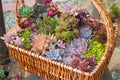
(41, 42)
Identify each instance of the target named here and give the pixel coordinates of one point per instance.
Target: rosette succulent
(86, 32)
(77, 46)
(47, 25)
(55, 53)
(25, 11)
(85, 65)
(41, 42)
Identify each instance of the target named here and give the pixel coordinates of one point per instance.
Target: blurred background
(113, 7)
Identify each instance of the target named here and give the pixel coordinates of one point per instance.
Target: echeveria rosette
(77, 46)
(86, 32)
(25, 11)
(67, 60)
(54, 54)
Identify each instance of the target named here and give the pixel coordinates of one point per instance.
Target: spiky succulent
(67, 28)
(41, 42)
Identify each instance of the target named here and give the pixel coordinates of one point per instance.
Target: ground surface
(13, 67)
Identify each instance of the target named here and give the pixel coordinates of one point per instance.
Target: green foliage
(114, 12)
(25, 11)
(67, 28)
(47, 25)
(25, 34)
(96, 49)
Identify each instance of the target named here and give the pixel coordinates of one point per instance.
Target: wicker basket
(52, 70)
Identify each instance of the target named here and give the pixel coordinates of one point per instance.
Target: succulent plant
(13, 38)
(41, 42)
(77, 46)
(96, 49)
(47, 25)
(39, 11)
(25, 11)
(67, 28)
(51, 12)
(26, 34)
(86, 32)
(48, 1)
(85, 64)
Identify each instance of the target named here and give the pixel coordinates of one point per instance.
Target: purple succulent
(92, 61)
(54, 54)
(67, 60)
(18, 41)
(84, 65)
(61, 45)
(77, 47)
(33, 26)
(27, 23)
(86, 32)
(6, 38)
(75, 63)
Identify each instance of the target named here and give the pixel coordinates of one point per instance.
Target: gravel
(9, 18)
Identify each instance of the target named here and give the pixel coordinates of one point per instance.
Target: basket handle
(108, 23)
(17, 9)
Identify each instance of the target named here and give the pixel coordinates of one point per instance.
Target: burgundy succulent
(75, 63)
(92, 61)
(48, 1)
(27, 23)
(50, 12)
(84, 65)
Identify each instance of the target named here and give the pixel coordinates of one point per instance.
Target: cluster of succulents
(47, 25)
(76, 39)
(67, 28)
(96, 49)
